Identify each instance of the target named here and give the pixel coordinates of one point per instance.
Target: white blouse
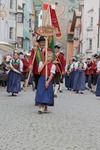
(53, 68)
(98, 66)
(21, 64)
(84, 65)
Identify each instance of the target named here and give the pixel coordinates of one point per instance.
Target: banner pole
(46, 48)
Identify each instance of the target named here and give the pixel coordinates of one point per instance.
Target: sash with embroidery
(38, 54)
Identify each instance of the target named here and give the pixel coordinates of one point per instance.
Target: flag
(47, 21)
(53, 6)
(54, 21)
(51, 19)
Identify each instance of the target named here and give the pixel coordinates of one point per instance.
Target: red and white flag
(53, 20)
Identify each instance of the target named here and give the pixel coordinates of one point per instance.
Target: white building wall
(20, 5)
(20, 26)
(32, 13)
(9, 21)
(90, 10)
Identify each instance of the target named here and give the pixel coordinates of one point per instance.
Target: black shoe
(21, 88)
(13, 94)
(61, 91)
(81, 92)
(55, 95)
(40, 112)
(36, 104)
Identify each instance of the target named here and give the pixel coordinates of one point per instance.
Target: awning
(6, 46)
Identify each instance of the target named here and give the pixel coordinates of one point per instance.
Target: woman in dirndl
(79, 80)
(44, 95)
(14, 75)
(98, 78)
(67, 74)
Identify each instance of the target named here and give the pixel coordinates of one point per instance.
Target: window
(29, 23)
(11, 33)
(76, 50)
(90, 43)
(91, 22)
(20, 17)
(11, 4)
(77, 33)
(19, 42)
(56, 3)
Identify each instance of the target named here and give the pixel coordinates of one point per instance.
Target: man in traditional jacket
(25, 61)
(40, 56)
(60, 67)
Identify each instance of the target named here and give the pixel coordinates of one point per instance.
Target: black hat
(57, 45)
(95, 55)
(98, 56)
(88, 59)
(40, 38)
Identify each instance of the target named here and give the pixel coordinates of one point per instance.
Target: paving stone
(72, 124)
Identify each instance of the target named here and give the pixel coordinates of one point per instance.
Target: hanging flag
(51, 45)
(45, 6)
(47, 21)
(53, 6)
(54, 21)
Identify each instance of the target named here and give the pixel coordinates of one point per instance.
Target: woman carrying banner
(14, 75)
(44, 95)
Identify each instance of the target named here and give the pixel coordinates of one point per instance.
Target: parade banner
(54, 21)
(45, 30)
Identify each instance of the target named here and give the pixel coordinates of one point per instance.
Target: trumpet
(68, 73)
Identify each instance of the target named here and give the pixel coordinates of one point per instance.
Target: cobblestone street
(72, 124)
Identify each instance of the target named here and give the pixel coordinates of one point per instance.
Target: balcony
(76, 38)
(70, 38)
(90, 28)
(88, 51)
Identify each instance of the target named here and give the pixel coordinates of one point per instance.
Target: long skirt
(98, 86)
(72, 75)
(13, 82)
(79, 80)
(67, 78)
(44, 96)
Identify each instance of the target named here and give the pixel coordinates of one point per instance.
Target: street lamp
(3, 12)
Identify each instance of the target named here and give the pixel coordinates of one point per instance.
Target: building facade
(76, 26)
(25, 24)
(8, 24)
(17, 27)
(72, 5)
(91, 27)
(81, 7)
